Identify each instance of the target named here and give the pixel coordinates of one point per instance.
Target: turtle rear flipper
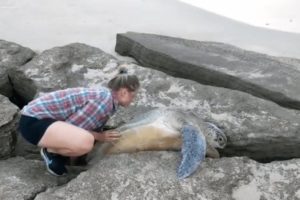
(193, 151)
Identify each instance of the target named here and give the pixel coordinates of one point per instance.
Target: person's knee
(88, 143)
(85, 145)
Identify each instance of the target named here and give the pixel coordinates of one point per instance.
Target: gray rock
(216, 64)
(57, 68)
(152, 175)
(24, 179)
(11, 55)
(255, 127)
(293, 62)
(8, 126)
(26, 149)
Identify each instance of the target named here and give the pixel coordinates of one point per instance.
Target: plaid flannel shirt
(84, 107)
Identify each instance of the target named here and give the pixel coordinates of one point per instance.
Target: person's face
(125, 96)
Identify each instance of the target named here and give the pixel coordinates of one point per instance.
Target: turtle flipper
(212, 152)
(193, 151)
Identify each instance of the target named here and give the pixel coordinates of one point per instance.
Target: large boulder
(58, 68)
(216, 64)
(8, 126)
(24, 179)
(11, 55)
(25, 149)
(293, 62)
(255, 127)
(152, 175)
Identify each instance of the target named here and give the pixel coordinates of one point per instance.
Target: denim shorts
(33, 129)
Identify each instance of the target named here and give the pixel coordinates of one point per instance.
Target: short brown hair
(124, 80)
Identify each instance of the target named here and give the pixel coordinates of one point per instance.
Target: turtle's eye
(219, 139)
(222, 141)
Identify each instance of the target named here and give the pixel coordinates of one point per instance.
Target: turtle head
(215, 136)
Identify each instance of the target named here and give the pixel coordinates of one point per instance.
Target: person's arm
(106, 136)
(88, 118)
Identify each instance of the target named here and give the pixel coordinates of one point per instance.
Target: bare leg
(66, 139)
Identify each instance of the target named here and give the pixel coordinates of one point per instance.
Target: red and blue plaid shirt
(84, 107)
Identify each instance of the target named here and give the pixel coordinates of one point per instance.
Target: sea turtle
(170, 129)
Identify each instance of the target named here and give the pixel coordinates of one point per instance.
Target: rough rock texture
(255, 127)
(11, 55)
(25, 149)
(293, 62)
(216, 64)
(152, 175)
(58, 68)
(23, 179)
(8, 126)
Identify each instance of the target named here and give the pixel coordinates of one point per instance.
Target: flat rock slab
(11, 55)
(24, 179)
(255, 127)
(8, 127)
(152, 175)
(216, 64)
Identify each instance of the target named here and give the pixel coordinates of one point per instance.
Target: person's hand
(107, 136)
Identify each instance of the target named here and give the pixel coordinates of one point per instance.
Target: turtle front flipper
(193, 151)
(212, 152)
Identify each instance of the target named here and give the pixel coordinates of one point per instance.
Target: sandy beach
(44, 24)
(282, 15)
